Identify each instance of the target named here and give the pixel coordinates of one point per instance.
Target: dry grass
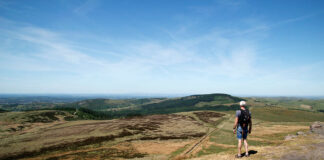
(150, 137)
(71, 135)
(264, 135)
(160, 147)
(209, 116)
(261, 130)
(308, 146)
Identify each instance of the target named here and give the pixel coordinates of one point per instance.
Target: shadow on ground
(251, 152)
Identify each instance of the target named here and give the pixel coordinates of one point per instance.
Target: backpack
(244, 118)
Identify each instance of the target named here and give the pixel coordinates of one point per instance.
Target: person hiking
(242, 126)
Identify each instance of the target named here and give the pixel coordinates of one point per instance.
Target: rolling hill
(109, 109)
(197, 126)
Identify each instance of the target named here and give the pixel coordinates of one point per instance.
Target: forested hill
(137, 107)
(194, 100)
(118, 108)
(155, 103)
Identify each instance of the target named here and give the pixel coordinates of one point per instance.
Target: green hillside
(118, 108)
(93, 104)
(280, 114)
(290, 102)
(189, 103)
(108, 104)
(26, 107)
(44, 116)
(142, 119)
(2, 110)
(153, 106)
(268, 109)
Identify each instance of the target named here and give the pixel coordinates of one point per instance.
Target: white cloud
(140, 58)
(219, 60)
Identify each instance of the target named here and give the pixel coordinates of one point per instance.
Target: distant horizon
(152, 95)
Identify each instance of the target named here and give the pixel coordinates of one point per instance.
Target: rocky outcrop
(292, 136)
(309, 151)
(317, 127)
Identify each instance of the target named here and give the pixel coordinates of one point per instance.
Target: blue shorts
(241, 133)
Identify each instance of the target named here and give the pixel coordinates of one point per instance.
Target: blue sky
(237, 47)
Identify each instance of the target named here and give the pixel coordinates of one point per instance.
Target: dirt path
(196, 145)
(200, 141)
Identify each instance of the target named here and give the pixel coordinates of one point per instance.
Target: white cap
(242, 103)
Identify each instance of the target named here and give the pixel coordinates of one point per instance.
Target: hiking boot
(238, 156)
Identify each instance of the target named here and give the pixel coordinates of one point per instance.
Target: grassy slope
(94, 104)
(2, 110)
(109, 109)
(26, 107)
(280, 114)
(271, 125)
(65, 136)
(265, 119)
(287, 102)
(150, 106)
(31, 116)
(107, 104)
(189, 103)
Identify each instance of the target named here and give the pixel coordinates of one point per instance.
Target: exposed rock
(289, 137)
(313, 151)
(317, 127)
(300, 133)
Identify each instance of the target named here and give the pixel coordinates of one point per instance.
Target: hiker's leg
(246, 147)
(239, 146)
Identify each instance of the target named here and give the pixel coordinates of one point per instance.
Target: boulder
(300, 133)
(317, 127)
